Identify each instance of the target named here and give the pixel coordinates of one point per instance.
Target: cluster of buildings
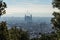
(36, 28)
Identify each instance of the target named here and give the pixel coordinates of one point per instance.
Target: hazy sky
(38, 8)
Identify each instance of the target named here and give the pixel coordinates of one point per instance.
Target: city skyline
(38, 8)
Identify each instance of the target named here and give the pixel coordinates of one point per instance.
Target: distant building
(28, 18)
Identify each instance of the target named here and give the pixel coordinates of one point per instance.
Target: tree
(48, 37)
(4, 34)
(56, 3)
(24, 35)
(13, 33)
(56, 19)
(18, 34)
(2, 7)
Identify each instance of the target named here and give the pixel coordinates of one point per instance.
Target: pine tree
(2, 7)
(18, 34)
(13, 32)
(4, 34)
(24, 35)
(3, 27)
(56, 19)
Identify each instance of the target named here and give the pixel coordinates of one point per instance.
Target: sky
(38, 8)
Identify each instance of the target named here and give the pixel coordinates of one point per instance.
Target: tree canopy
(2, 8)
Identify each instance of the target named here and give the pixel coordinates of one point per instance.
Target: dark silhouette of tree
(56, 3)
(18, 34)
(2, 7)
(48, 37)
(14, 33)
(4, 34)
(56, 19)
(52, 36)
(24, 35)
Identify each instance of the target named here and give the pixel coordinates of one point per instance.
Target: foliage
(2, 8)
(18, 34)
(56, 3)
(4, 34)
(13, 33)
(56, 19)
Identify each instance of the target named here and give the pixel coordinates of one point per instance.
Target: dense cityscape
(34, 25)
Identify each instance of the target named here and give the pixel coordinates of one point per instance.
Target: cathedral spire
(28, 17)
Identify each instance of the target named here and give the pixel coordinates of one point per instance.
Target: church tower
(28, 17)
